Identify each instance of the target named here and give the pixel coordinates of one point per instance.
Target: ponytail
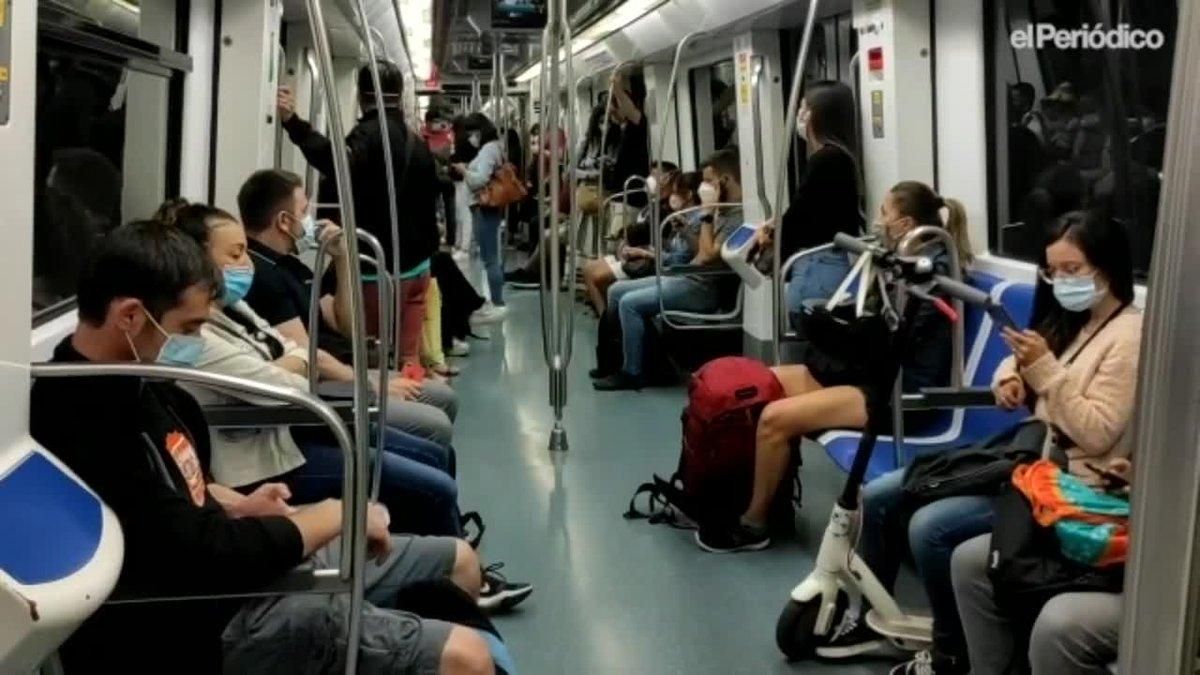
(956, 225)
(919, 202)
(194, 220)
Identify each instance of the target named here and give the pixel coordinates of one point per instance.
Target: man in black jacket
(143, 447)
(417, 188)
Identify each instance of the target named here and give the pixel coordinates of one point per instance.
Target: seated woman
(634, 259)
(825, 394)
(1075, 633)
(638, 300)
(1079, 371)
(416, 485)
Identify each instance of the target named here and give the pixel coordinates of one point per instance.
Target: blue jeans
(816, 277)
(415, 484)
(487, 233)
(933, 532)
(637, 301)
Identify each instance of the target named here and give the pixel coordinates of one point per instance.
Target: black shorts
(830, 372)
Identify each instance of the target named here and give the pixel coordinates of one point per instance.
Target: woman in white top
(417, 488)
(486, 220)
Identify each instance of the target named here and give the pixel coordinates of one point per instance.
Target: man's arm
(329, 367)
(707, 248)
(315, 147)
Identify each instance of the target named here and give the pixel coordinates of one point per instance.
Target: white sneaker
(459, 348)
(489, 314)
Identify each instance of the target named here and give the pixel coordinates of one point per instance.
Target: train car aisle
(613, 596)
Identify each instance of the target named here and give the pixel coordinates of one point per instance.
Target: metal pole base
(558, 438)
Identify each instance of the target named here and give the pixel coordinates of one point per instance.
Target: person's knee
(1053, 633)
(773, 426)
(466, 573)
(466, 653)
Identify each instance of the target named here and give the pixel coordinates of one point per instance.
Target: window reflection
(1082, 128)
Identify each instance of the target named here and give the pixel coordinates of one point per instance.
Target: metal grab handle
(659, 270)
(354, 491)
(316, 113)
(385, 141)
(353, 454)
(655, 205)
(793, 110)
(557, 330)
(909, 243)
(410, 91)
(756, 113)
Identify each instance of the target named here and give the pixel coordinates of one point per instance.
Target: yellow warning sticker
(3, 11)
(3, 73)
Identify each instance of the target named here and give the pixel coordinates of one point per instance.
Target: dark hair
(1105, 244)
(833, 114)
(726, 162)
(435, 113)
(919, 202)
(144, 260)
(390, 80)
(194, 220)
(687, 181)
(637, 89)
(480, 122)
(263, 195)
(595, 129)
(536, 129)
(668, 167)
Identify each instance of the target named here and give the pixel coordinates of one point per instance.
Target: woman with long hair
(482, 134)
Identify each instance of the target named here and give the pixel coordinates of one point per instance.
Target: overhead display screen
(516, 15)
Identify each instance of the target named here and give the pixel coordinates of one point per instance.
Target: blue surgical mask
(237, 284)
(307, 241)
(179, 350)
(1077, 294)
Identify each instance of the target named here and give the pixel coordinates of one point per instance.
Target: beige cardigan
(244, 456)
(1092, 399)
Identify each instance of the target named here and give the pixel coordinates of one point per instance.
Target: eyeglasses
(1049, 275)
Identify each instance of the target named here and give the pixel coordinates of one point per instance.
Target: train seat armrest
(940, 398)
(243, 416)
(305, 578)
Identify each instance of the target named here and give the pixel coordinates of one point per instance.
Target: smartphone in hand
(1001, 316)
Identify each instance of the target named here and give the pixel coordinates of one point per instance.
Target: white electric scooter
(841, 579)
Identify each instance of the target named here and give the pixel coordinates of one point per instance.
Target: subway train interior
(354, 336)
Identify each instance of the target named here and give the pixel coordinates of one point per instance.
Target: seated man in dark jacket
(416, 191)
(143, 447)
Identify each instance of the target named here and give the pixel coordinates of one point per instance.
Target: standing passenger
(482, 134)
(416, 189)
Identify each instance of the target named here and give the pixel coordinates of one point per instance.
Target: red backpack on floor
(716, 467)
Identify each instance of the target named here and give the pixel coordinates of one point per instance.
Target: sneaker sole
(487, 320)
(505, 600)
(878, 647)
(757, 546)
(524, 285)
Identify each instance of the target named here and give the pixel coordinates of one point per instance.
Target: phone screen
(1001, 316)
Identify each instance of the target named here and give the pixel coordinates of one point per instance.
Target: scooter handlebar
(965, 292)
(854, 244)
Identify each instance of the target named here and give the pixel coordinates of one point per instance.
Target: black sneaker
(599, 373)
(499, 594)
(732, 539)
(466, 521)
(854, 638)
(618, 381)
(523, 279)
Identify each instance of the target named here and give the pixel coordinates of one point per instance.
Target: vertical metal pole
(354, 485)
(388, 170)
(793, 110)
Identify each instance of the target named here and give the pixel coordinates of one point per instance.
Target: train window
(1077, 125)
(714, 107)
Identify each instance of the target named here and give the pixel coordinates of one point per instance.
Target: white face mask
(475, 140)
(652, 186)
(676, 202)
(709, 194)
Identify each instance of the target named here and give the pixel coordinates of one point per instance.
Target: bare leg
(783, 420)
(597, 277)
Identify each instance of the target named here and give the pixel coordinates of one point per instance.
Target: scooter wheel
(794, 631)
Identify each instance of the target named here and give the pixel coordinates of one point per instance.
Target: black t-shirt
(633, 159)
(281, 292)
(826, 202)
(143, 447)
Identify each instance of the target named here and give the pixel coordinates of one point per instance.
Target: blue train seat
(984, 350)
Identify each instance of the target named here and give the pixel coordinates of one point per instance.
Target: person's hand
(1010, 393)
(328, 232)
(379, 539)
(459, 167)
(404, 388)
(270, 499)
(638, 252)
(1121, 466)
(285, 103)
(765, 234)
(1027, 345)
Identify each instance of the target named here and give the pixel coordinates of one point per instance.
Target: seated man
(144, 447)
(274, 211)
(637, 300)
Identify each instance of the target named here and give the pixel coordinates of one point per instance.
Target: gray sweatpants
(1076, 633)
(306, 634)
(431, 416)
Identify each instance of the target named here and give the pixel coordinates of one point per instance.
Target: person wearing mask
(826, 394)
(416, 189)
(143, 446)
(278, 225)
(482, 135)
(1079, 363)
(638, 300)
(440, 139)
(416, 482)
(828, 199)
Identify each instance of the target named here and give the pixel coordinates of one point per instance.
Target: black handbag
(843, 335)
(981, 469)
